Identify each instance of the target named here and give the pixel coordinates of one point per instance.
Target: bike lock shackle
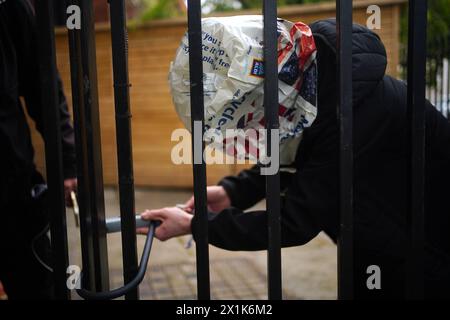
(113, 225)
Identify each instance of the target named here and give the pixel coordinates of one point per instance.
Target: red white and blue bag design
(233, 68)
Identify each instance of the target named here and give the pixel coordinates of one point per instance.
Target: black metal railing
(272, 123)
(199, 166)
(87, 128)
(119, 41)
(345, 112)
(83, 65)
(417, 28)
(53, 146)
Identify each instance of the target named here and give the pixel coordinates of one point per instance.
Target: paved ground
(309, 272)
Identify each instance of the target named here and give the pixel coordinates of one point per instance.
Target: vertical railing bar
(442, 75)
(96, 220)
(83, 194)
(272, 123)
(447, 98)
(428, 77)
(119, 40)
(438, 88)
(199, 169)
(417, 26)
(53, 146)
(345, 115)
(433, 79)
(442, 56)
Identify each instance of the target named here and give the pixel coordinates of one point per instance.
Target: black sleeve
(30, 86)
(309, 200)
(233, 229)
(249, 186)
(245, 189)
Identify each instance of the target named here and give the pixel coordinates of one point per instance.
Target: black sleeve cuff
(70, 169)
(230, 189)
(70, 175)
(194, 224)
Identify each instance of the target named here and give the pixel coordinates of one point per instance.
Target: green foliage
(220, 5)
(438, 38)
(438, 15)
(438, 19)
(438, 28)
(225, 5)
(248, 4)
(160, 9)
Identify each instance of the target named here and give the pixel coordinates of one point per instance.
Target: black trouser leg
(22, 275)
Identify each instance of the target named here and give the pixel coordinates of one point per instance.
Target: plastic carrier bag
(233, 78)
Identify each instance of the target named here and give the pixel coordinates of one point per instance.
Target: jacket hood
(368, 55)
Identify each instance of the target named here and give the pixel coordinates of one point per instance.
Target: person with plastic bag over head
(309, 146)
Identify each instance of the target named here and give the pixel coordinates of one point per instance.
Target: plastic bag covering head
(233, 76)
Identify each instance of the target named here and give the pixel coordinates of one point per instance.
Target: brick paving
(235, 278)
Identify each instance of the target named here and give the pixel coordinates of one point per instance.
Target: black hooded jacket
(310, 195)
(19, 77)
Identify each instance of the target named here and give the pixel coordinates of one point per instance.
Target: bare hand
(174, 222)
(218, 200)
(69, 186)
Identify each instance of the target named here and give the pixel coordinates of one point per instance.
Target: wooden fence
(151, 48)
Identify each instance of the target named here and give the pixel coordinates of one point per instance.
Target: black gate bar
(272, 123)
(417, 26)
(345, 114)
(89, 108)
(53, 146)
(79, 117)
(119, 40)
(197, 115)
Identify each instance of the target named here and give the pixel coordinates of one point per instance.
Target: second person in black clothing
(23, 214)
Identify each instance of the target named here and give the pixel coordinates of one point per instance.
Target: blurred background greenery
(438, 32)
(438, 12)
(438, 39)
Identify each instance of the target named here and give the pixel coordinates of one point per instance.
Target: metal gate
(89, 159)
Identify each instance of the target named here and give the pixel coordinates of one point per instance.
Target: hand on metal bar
(175, 222)
(142, 227)
(189, 242)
